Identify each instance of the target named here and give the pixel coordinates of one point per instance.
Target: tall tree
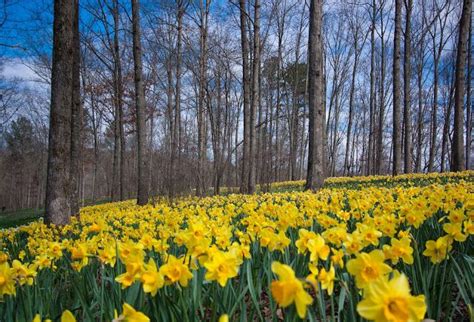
(246, 93)
(468, 99)
(372, 148)
(204, 7)
(458, 163)
(316, 160)
(408, 151)
(118, 90)
(255, 98)
(140, 106)
(397, 142)
(76, 115)
(58, 203)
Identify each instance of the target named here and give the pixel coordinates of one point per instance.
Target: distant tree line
(184, 97)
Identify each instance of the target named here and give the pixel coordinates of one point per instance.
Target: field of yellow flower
(382, 252)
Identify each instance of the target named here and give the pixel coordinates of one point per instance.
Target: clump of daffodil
(151, 278)
(221, 266)
(7, 280)
(399, 249)
(438, 250)
(175, 270)
(390, 300)
(368, 267)
(326, 278)
(288, 289)
(129, 314)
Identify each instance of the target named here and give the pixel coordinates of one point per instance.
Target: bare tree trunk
(203, 29)
(448, 98)
(246, 93)
(119, 86)
(140, 105)
(397, 144)
(316, 160)
(347, 168)
(419, 139)
(255, 98)
(407, 88)
(468, 100)
(458, 142)
(76, 115)
(371, 147)
(178, 144)
(379, 137)
(57, 203)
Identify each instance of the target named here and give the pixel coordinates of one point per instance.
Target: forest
(236, 160)
(226, 97)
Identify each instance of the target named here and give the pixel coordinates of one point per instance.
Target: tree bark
(316, 160)
(57, 202)
(203, 29)
(407, 90)
(371, 145)
(255, 99)
(397, 148)
(140, 106)
(458, 142)
(76, 115)
(468, 100)
(246, 93)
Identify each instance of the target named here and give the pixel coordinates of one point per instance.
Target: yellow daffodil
(7, 281)
(399, 249)
(390, 301)
(368, 267)
(289, 289)
(438, 250)
(318, 249)
(67, 316)
(175, 270)
(221, 267)
(151, 278)
(129, 314)
(326, 278)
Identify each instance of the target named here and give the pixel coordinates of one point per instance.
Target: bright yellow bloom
(37, 318)
(55, 250)
(337, 258)
(129, 314)
(67, 316)
(3, 257)
(399, 249)
(108, 254)
(289, 289)
(302, 242)
(469, 227)
(7, 282)
(221, 267)
(367, 268)
(326, 278)
(318, 249)
(79, 256)
(391, 301)
(23, 273)
(455, 231)
(151, 279)
(438, 250)
(224, 318)
(176, 271)
(133, 272)
(313, 277)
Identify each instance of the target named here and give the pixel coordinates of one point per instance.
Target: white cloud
(15, 69)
